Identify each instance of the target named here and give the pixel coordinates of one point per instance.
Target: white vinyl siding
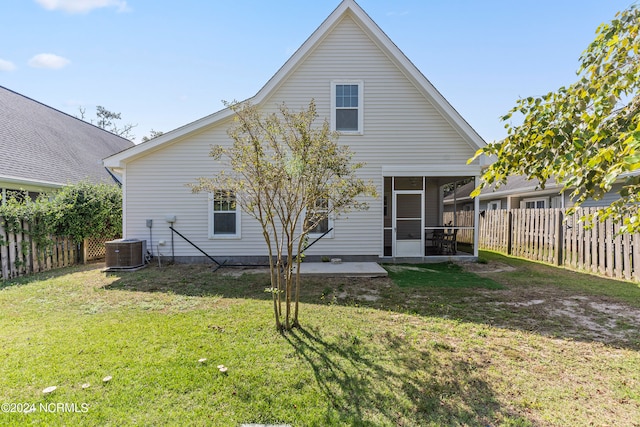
(403, 129)
(606, 200)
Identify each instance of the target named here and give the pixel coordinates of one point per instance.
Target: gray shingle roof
(515, 183)
(40, 143)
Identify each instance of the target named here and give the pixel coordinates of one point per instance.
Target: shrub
(80, 211)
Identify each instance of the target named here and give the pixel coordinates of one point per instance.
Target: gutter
(35, 182)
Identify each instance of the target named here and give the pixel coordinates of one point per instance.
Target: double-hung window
(224, 218)
(317, 216)
(347, 109)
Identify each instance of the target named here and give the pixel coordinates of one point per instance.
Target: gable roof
(346, 7)
(44, 146)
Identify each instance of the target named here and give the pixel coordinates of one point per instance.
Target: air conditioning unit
(125, 253)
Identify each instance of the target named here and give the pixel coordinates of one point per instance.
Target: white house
(414, 143)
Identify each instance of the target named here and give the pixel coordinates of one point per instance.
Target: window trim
(212, 235)
(360, 84)
(330, 224)
(536, 200)
(496, 203)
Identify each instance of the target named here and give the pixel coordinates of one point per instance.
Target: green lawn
(443, 275)
(522, 344)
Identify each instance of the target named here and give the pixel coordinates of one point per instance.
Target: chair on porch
(435, 238)
(449, 242)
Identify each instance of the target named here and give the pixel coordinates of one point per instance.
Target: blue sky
(165, 63)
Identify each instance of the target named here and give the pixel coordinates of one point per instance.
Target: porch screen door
(408, 224)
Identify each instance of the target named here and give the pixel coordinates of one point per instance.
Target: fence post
(509, 231)
(26, 243)
(557, 254)
(84, 248)
(636, 256)
(4, 253)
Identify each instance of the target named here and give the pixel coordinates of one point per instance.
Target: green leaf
(587, 133)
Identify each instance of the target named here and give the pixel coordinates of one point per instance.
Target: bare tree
(109, 121)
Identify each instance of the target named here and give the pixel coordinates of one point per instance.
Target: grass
(439, 275)
(408, 350)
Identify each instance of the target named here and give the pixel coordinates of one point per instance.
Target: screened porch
(418, 223)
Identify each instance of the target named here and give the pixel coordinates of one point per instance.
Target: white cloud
(6, 65)
(48, 60)
(83, 6)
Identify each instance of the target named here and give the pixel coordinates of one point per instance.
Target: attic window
(347, 106)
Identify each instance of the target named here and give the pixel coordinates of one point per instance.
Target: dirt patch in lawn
(398, 268)
(554, 312)
(545, 309)
(487, 268)
(240, 271)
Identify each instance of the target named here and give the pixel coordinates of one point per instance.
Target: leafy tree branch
(587, 135)
(278, 167)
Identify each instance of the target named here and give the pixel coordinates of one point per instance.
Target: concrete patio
(344, 269)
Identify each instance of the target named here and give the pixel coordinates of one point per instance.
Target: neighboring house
(413, 141)
(520, 193)
(44, 149)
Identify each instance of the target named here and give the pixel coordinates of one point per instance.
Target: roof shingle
(40, 143)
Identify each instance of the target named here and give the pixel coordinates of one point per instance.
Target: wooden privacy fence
(548, 235)
(461, 219)
(21, 255)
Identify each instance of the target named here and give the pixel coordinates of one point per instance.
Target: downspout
(114, 177)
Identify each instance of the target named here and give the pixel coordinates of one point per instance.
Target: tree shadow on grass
(197, 280)
(401, 384)
(514, 307)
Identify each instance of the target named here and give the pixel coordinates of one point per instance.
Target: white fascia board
(117, 161)
(33, 182)
(378, 36)
(524, 192)
(520, 192)
(438, 170)
(298, 56)
(452, 116)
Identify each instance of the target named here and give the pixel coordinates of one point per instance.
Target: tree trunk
(274, 294)
(296, 322)
(288, 283)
